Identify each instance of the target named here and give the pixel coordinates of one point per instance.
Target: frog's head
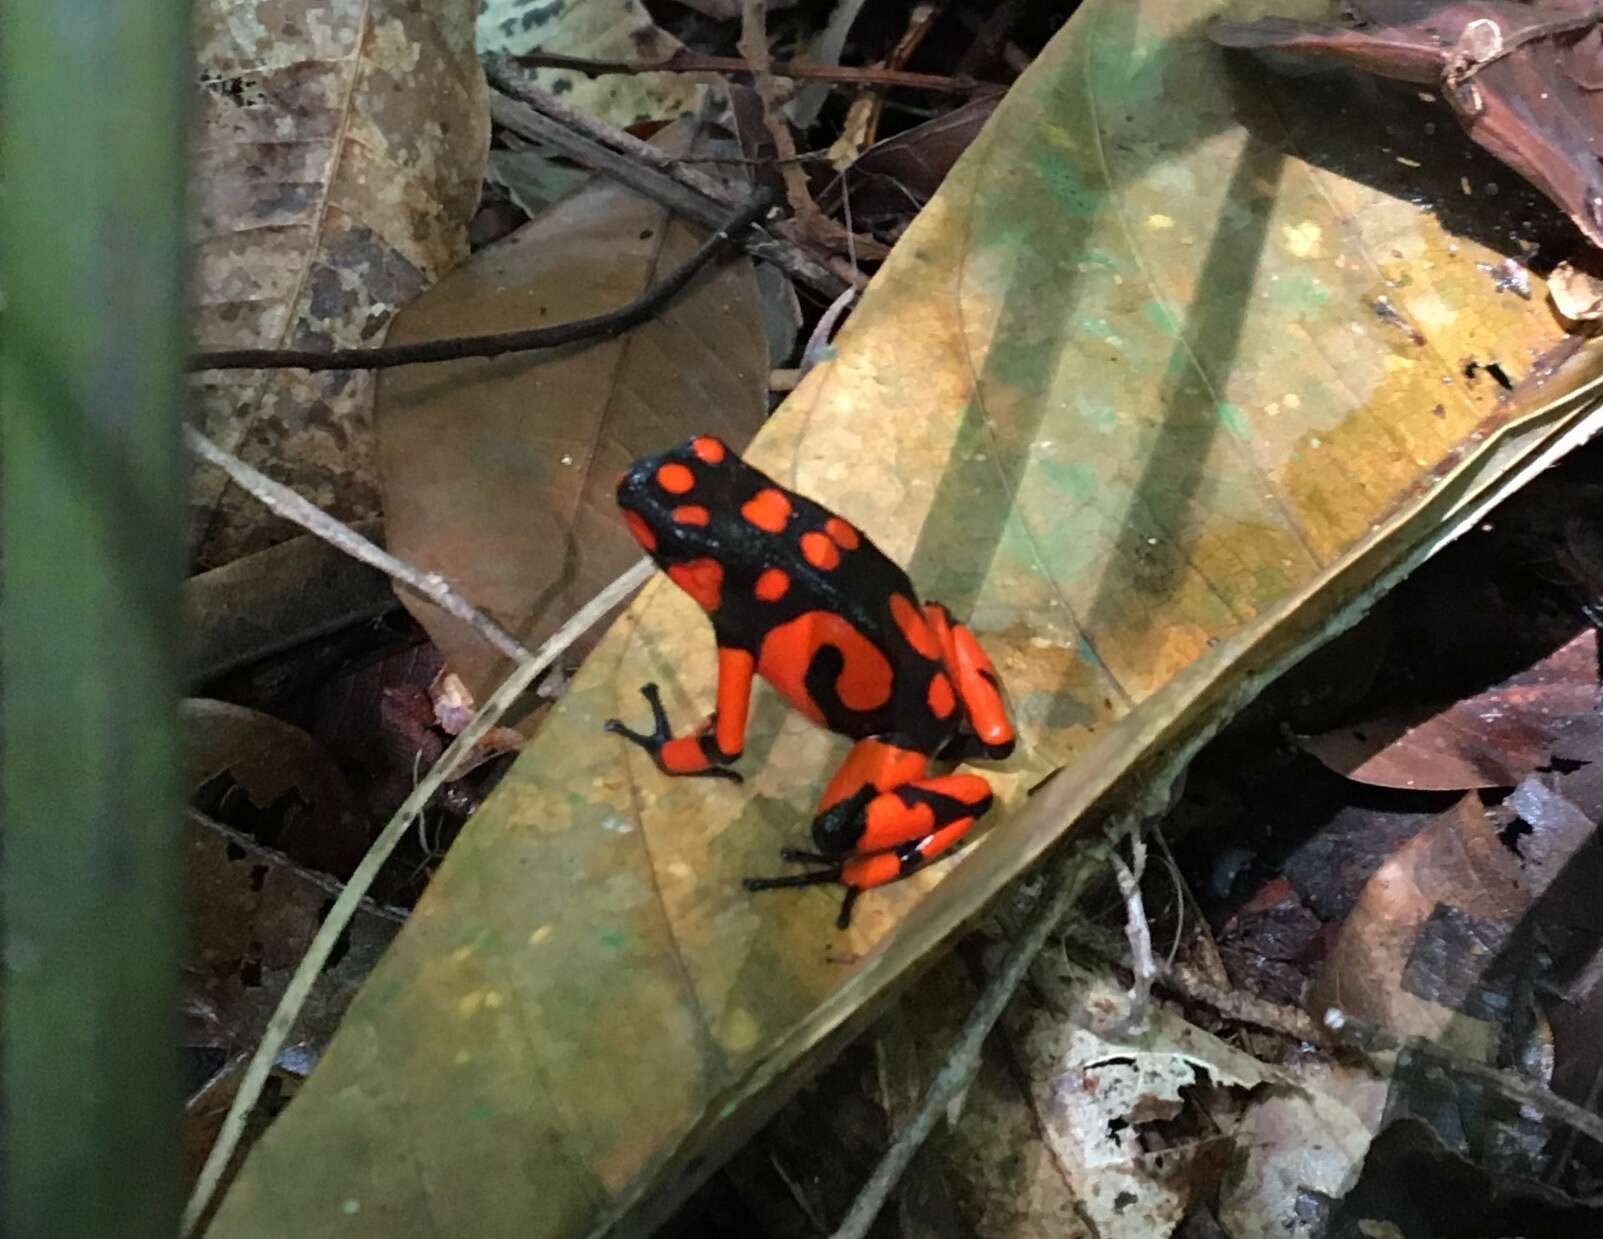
(673, 502)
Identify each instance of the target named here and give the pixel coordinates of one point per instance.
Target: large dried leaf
(1492, 739)
(1097, 1090)
(1522, 78)
(340, 154)
(1123, 397)
(500, 472)
(1427, 947)
(595, 30)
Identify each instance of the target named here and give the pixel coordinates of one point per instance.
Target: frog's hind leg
(813, 877)
(896, 832)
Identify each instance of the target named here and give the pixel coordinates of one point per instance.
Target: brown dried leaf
(1416, 955)
(236, 755)
(1492, 739)
(499, 473)
(1521, 78)
(339, 157)
(896, 177)
(252, 920)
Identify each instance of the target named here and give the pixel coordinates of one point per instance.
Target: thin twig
(1136, 929)
(328, 933)
(692, 201)
(1182, 894)
(600, 327)
(818, 343)
(821, 271)
(325, 882)
(813, 223)
(1064, 883)
(1189, 986)
(282, 501)
(1372, 1040)
(694, 62)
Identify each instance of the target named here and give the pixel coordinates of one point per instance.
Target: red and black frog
(801, 597)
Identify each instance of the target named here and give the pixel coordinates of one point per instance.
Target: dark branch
(601, 327)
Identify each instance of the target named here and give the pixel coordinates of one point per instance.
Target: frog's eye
(708, 449)
(675, 478)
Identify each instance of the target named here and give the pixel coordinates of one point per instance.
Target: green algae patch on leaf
(1165, 382)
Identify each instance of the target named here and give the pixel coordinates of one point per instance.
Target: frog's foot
(813, 877)
(693, 755)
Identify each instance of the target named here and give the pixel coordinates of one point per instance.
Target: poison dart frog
(801, 597)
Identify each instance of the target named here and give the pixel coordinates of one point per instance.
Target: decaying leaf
(896, 177)
(1096, 1091)
(339, 158)
(253, 917)
(1492, 739)
(277, 780)
(499, 472)
(1413, 1182)
(1122, 399)
(595, 30)
(1521, 78)
(1301, 1146)
(272, 601)
(1429, 946)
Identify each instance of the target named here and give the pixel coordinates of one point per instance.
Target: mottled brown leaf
(1427, 944)
(596, 30)
(339, 154)
(271, 779)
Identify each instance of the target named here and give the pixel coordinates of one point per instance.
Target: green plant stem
(92, 130)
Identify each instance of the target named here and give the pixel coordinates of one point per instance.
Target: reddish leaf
(1492, 739)
(1521, 78)
(898, 176)
(1422, 946)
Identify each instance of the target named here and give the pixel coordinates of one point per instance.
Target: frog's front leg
(719, 741)
(879, 821)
